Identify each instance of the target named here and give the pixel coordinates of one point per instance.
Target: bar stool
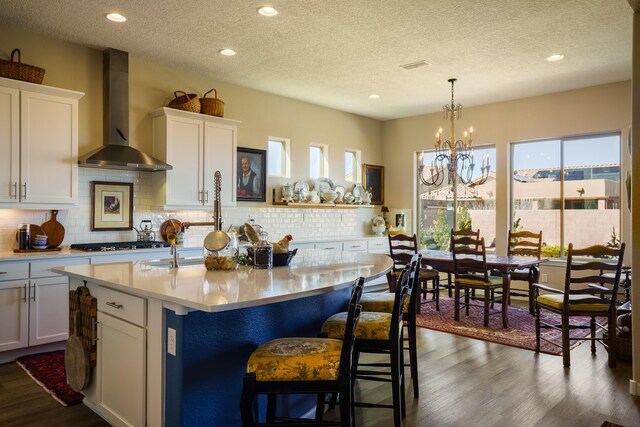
(383, 302)
(303, 366)
(378, 332)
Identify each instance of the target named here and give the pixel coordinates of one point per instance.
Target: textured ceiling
(337, 52)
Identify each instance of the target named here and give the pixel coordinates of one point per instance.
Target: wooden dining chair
(576, 299)
(523, 243)
(402, 247)
(458, 233)
(470, 271)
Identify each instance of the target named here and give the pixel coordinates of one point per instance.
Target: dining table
(443, 261)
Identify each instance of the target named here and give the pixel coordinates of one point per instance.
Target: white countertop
(311, 272)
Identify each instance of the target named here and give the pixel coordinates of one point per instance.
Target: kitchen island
(173, 343)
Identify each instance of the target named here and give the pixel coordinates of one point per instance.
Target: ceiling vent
(414, 65)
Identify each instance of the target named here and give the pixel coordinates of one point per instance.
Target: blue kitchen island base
(203, 380)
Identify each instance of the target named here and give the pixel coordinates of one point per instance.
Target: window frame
(324, 159)
(562, 200)
(357, 170)
(285, 154)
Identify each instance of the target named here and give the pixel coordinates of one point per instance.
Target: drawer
(330, 246)
(43, 268)
(378, 245)
(121, 305)
(355, 246)
(301, 246)
(14, 270)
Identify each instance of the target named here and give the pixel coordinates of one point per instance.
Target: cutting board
(54, 230)
(170, 226)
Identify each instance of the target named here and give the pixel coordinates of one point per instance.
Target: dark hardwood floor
(463, 382)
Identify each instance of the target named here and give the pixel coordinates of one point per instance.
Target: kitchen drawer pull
(355, 246)
(329, 249)
(114, 305)
(3, 272)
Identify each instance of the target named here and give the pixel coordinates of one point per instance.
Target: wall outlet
(544, 278)
(171, 341)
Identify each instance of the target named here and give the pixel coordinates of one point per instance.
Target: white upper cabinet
(197, 146)
(38, 145)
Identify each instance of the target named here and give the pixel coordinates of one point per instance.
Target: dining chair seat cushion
(480, 282)
(296, 359)
(425, 274)
(381, 302)
(371, 326)
(557, 300)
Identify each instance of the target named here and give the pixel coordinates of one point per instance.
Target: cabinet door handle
(200, 196)
(24, 193)
(14, 195)
(114, 305)
(34, 292)
(24, 297)
(94, 330)
(206, 197)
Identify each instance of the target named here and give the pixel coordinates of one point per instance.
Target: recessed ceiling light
(374, 96)
(267, 11)
(115, 17)
(556, 57)
(228, 52)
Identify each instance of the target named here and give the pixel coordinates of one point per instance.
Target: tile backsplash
(301, 223)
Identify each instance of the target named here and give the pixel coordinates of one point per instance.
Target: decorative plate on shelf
(321, 186)
(328, 181)
(299, 186)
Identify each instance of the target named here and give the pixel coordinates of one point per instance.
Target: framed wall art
(373, 181)
(111, 206)
(252, 175)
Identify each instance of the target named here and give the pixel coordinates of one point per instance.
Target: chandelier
(452, 157)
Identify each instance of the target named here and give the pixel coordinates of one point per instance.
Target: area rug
(521, 332)
(47, 369)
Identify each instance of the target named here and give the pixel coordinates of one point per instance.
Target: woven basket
(18, 71)
(212, 106)
(186, 102)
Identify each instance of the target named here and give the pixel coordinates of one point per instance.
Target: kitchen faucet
(174, 251)
(217, 214)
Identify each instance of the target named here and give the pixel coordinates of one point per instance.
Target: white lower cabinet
(48, 310)
(14, 314)
(121, 371)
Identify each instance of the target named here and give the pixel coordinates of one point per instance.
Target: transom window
(318, 160)
(352, 166)
(278, 157)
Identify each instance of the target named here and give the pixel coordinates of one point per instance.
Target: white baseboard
(634, 390)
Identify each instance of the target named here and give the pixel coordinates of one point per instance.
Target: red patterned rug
(521, 332)
(47, 369)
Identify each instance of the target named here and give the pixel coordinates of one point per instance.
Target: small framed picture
(373, 181)
(252, 175)
(112, 206)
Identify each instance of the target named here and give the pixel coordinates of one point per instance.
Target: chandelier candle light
(456, 156)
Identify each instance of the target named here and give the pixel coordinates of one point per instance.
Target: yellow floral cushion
(296, 359)
(381, 302)
(556, 301)
(479, 282)
(371, 326)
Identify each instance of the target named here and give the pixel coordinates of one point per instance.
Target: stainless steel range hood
(116, 152)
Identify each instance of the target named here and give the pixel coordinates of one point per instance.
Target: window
(476, 207)
(352, 166)
(278, 155)
(569, 188)
(318, 160)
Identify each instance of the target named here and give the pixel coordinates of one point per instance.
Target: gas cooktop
(118, 246)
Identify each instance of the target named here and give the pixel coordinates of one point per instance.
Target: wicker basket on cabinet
(16, 70)
(212, 106)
